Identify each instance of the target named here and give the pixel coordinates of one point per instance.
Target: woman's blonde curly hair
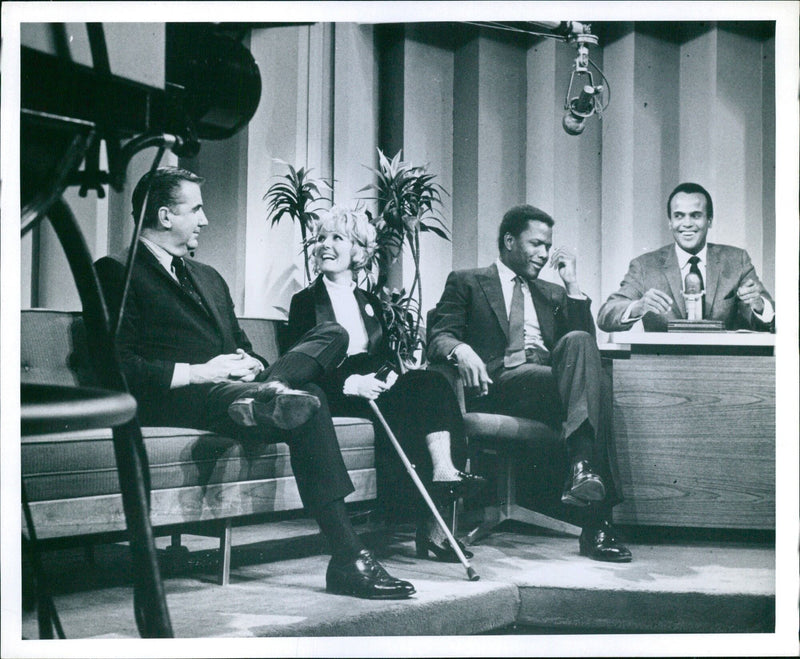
(353, 224)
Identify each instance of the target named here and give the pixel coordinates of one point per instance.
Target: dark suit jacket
(727, 269)
(472, 310)
(312, 306)
(162, 326)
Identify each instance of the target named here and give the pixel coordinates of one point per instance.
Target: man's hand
(750, 293)
(233, 367)
(471, 368)
(366, 386)
(653, 300)
(565, 263)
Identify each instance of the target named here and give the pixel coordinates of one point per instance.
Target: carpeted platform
(530, 583)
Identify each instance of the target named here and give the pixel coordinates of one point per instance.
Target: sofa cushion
(53, 349)
(79, 464)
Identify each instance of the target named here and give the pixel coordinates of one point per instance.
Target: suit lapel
(545, 312)
(489, 281)
(323, 309)
(203, 289)
(371, 320)
(713, 269)
(196, 274)
(672, 273)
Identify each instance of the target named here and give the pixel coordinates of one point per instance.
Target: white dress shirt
(348, 314)
(162, 256)
(533, 334)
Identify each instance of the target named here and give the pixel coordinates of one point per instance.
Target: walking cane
(471, 574)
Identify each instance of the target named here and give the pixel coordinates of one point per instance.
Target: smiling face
(184, 218)
(527, 253)
(689, 221)
(333, 251)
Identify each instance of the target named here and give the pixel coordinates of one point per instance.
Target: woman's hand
(365, 386)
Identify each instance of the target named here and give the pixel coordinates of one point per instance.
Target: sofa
(201, 482)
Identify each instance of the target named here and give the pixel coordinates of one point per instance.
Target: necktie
(515, 352)
(693, 261)
(183, 279)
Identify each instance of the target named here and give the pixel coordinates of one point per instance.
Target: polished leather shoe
(275, 405)
(466, 485)
(443, 553)
(601, 545)
(364, 577)
(583, 486)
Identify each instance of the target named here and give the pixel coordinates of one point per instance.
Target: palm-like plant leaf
(296, 195)
(408, 201)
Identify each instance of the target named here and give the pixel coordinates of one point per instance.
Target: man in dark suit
(527, 348)
(188, 363)
(654, 286)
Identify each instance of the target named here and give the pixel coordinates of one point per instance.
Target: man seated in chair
(526, 347)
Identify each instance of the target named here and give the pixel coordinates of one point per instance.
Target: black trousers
(316, 458)
(419, 403)
(570, 390)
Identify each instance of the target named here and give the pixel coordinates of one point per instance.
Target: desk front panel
(695, 438)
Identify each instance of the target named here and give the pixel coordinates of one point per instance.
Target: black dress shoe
(444, 552)
(364, 577)
(601, 545)
(274, 405)
(466, 485)
(583, 486)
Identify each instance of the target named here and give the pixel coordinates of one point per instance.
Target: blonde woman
(419, 405)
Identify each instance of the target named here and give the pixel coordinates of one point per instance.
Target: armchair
(502, 435)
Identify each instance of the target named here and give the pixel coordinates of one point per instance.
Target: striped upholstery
(185, 464)
(62, 466)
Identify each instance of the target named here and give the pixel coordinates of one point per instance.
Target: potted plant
(408, 202)
(297, 195)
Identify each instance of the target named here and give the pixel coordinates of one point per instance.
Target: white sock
(435, 533)
(439, 448)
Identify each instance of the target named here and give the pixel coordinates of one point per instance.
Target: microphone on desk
(693, 296)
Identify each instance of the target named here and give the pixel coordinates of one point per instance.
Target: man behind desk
(188, 363)
(527, 348)
(652, 290)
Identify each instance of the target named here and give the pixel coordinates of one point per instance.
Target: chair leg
(526, 516)
(454, 518)
(225, 554)
(495, 515)
(508, 508)
(492, 517)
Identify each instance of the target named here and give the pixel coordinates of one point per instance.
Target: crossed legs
(317, 463)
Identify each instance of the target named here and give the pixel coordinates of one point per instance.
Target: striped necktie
(185, 281)
(515, 352)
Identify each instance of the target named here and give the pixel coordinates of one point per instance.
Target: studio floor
(531, 582)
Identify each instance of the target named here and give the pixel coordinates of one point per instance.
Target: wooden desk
(694, 422)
